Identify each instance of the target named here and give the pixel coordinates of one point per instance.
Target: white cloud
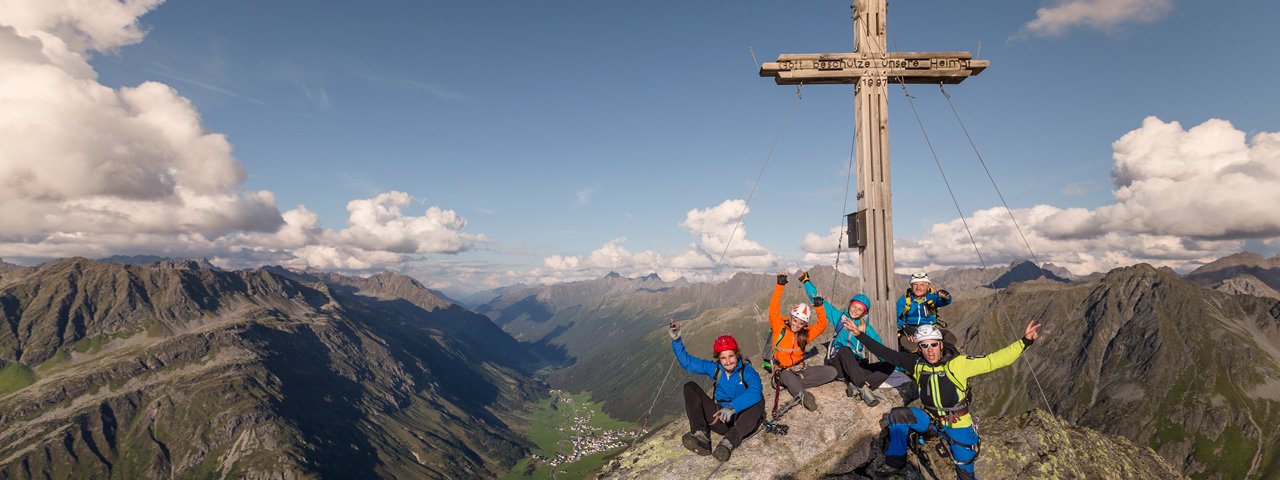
(1106, 15)
(1183, 197)
(81, 160)
(89, 170)
(713, 226)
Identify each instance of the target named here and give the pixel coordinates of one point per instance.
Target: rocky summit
(835, 439)
(177, 369)
(843, 439)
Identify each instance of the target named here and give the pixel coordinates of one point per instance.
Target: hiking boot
(697, 442)
(810, 403)
(849, 390)
(868, 396)
(885, 471)
(723, 451)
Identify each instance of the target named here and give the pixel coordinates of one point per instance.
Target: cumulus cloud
(89, 170)
(1106, 15)
(719, 234)
(1182, 197)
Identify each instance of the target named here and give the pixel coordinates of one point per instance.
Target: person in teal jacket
(847, 354)
(735, 407)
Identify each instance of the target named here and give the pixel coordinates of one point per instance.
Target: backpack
(928, 305)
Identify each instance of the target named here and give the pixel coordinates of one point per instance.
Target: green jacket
(944, 385)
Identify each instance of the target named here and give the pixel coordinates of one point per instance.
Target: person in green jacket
(942, 378)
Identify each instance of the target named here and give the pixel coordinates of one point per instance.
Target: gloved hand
(804, 277)
(674, 331)
(817, 301)
(944, 293)
(724, 414)
(782, 279)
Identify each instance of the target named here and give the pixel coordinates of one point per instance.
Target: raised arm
(901, 359)
(775, 304)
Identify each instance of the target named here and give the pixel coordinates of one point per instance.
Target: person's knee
(902, 415)
(692, 387)
(964, 472)
(896, 461)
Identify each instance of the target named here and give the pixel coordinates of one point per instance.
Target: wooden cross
(872, 68)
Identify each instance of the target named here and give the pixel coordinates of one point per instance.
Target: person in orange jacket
(790, 336)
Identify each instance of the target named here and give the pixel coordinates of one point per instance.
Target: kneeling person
(942, 377)
(735, 407)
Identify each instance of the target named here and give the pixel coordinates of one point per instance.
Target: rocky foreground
(842, 440)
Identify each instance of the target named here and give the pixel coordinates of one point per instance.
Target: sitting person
(919, 306)
(942, 378)
(790, 336)
(735, 407)
(846, 354)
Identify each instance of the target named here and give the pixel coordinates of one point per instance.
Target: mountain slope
(179, 370)
(1147, 355)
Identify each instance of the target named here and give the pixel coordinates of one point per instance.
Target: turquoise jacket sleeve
(833, 314)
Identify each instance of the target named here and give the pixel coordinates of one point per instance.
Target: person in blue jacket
(735, 407)
(919, 306)
(847, 354)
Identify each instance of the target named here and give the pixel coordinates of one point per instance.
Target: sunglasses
(931, 345)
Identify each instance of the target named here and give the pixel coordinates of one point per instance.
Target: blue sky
(476, 144)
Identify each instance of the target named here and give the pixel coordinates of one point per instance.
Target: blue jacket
(842, 338)
(917, 313)
(730, 391)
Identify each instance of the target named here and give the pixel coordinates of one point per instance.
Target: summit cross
(871, 68)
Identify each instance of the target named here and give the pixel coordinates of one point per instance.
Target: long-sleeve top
(739, 389)
(915, 311)
(786, 347)
(943, 386)
(843, 337)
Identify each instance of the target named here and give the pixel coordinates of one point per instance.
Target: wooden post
(871, 68)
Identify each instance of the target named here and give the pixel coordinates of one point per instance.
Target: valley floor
(571, 437)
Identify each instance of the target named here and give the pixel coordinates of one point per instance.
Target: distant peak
(651, 276)
(613, 275)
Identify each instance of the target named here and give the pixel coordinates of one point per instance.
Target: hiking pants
(857, 370)
(702, 410)
(811, 377)
(905, 419)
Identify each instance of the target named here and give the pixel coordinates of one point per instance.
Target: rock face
(843, 440)
(180, 370)
(1243, 273)
(835, 439)
(1037, 445)
(1142, 353)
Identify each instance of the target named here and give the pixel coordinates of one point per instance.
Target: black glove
(804, 277)
(817, 301)
(944, 293)
(782, 279)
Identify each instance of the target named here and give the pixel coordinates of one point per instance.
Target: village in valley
(583, 438)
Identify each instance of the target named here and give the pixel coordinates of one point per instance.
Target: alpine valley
(179, 369)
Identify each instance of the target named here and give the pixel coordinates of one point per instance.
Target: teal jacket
(843, 338)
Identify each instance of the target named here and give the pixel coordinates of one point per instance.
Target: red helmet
(722, 343)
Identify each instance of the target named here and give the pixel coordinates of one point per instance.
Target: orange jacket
(786, 353)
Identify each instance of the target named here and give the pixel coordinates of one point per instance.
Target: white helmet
(920, 277)
(801, 312)
(928, 332)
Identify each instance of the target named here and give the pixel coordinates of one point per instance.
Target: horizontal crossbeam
(895, 67)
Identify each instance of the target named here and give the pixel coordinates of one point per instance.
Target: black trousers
(701, 410)
(857, 370)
